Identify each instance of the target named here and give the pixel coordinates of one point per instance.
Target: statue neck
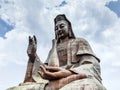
(64, 40)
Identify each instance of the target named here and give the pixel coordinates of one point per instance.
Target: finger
(50, 68)
(30, 39)
(35, 39)
(40, 73)
(43, 68)
(43, 75)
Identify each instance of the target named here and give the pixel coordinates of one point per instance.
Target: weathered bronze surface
(71, 63)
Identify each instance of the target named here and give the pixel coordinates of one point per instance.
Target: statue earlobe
(70, 33)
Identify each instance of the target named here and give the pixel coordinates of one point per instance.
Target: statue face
(61, 29)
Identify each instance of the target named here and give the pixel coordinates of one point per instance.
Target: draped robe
(77, 56)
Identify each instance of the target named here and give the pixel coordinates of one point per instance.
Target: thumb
(40, 73)
(43, 68)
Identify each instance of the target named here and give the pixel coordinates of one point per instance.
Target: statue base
(83, 84)
(29, 86)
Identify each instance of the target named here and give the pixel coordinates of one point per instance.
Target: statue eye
(62, 26)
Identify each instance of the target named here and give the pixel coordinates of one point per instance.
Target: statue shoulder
(80, 40)
(85, 48)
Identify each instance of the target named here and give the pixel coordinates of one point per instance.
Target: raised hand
(32, 47)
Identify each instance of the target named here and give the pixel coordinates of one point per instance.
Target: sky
(98, 21)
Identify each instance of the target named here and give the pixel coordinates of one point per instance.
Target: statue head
(63, 27)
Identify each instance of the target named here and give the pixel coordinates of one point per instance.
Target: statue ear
(70, 33)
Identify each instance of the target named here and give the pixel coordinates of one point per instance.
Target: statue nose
(60, 31)
(59, 28)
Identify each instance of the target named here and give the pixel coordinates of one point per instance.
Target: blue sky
(4, 27)
(115, 6)
(98, 21)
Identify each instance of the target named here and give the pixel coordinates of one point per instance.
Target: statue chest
(67, 52)
(62, 53)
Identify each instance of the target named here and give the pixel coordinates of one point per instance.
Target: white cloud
(90, 19)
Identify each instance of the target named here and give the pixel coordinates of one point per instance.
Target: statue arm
(31, 51)
(85, 58)
(88, 65)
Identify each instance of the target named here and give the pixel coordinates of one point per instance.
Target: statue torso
(62, 53)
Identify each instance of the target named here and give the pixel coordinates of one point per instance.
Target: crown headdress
(60, 17)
